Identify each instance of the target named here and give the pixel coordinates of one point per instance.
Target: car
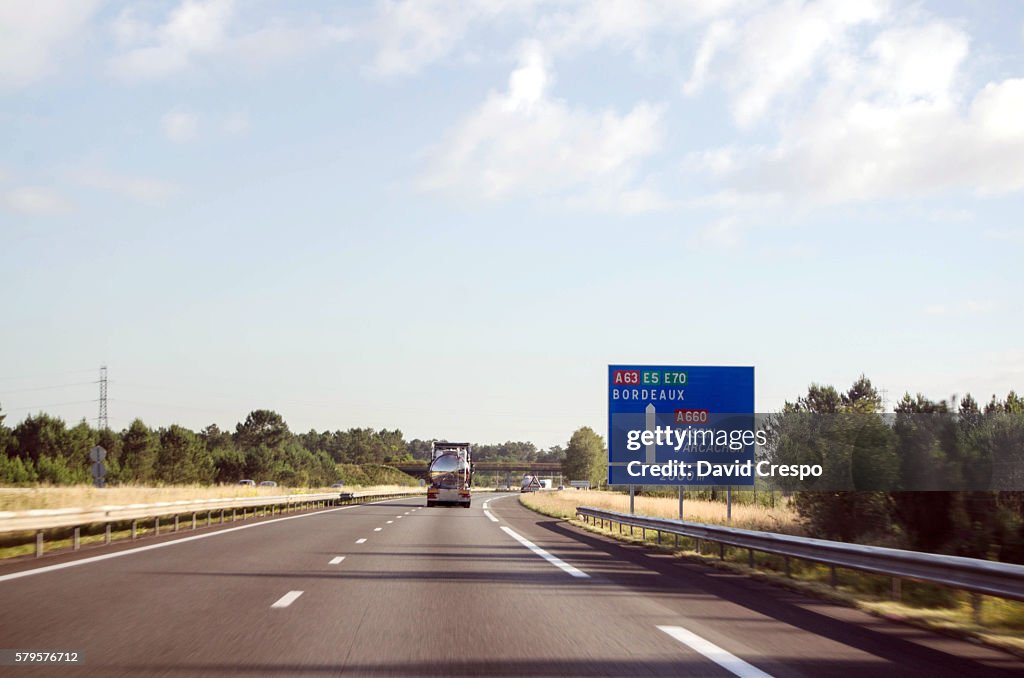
(338, 485)
(561, 487)
(247, 483)
(268, 483)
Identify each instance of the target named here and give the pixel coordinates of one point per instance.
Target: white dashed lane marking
(336, 560)
(723, 658)
(554, 560)
(287, 599)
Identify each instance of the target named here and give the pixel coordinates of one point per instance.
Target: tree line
(44, 449)
(902, 470)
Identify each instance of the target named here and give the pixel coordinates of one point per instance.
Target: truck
(450, 474)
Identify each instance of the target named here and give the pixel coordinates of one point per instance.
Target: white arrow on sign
(651, 422)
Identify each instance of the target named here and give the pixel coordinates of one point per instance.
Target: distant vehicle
(545, 484)
(451, 474)
(561, 487)
(268, 483)
(247, 483)
(338, 485)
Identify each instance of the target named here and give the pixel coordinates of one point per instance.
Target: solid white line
(336, 560)
(377, 529)
(182, 540)
(486, 503)
(361, 541)
(554, 560)
(723, 658)
(287, 599)
(490, 515)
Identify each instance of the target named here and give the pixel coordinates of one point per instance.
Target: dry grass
(563, 504)
(86, 496)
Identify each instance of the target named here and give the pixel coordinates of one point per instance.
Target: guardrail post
(788, 572)
(222, 516)
(156, 526)
(750, 558)
(833, 576)
(175, 523)
(39, 543)
(677, 541)
(106, 534)
(721, 551)
(209, 518)
(234, 514)
(659, 536)
(135, 526)
(193, 521)
(897, 589)
(976, 608)
(77, 539)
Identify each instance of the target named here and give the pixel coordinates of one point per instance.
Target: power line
(51, 374)
(47, 388)
(40, 407)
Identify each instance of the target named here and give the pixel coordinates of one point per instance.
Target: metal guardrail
(40, 520)
(1003, 580)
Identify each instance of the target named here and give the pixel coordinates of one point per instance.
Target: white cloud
(36, 201)
(886, 119)
(180, 126)
(198, 30)
(137, 188)
(34, 35)
(523, 141)
(775, 51)
(413, 33)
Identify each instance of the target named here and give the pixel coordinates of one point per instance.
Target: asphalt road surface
(397, 589)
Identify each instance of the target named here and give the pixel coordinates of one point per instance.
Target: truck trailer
(451, 474)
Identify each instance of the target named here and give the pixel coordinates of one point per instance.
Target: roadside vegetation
(563, 504)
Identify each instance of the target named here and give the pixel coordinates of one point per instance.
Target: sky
(450, 217)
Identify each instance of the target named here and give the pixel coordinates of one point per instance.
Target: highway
(397, 589)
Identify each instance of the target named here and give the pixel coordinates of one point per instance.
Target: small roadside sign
(97, 454)
(99, 473)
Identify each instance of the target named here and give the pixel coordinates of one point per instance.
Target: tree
(182, 458)
(586, 457)
(846, 435)
(138, 453)
(39, 436)
(262, 427)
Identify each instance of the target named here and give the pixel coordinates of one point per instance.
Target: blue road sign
(680, 425)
